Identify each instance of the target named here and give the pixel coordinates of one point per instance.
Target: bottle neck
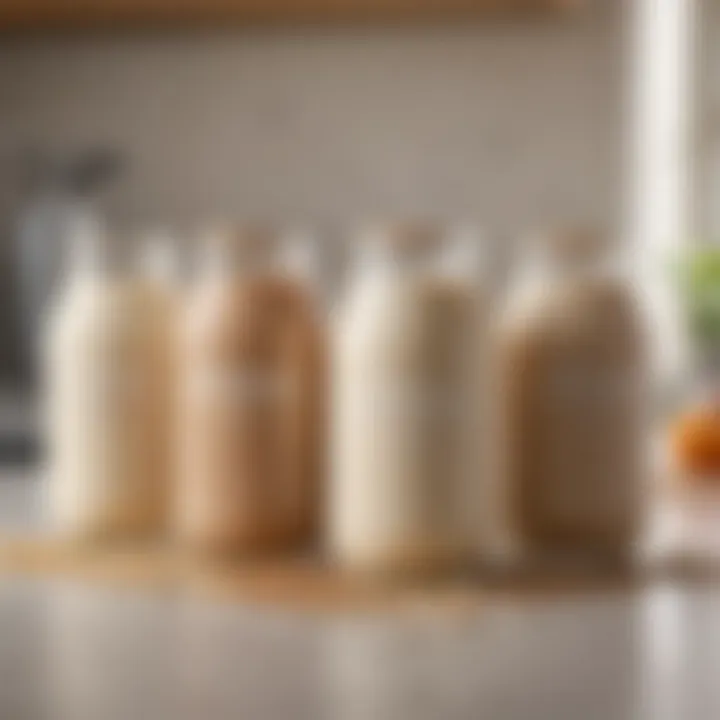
(454, 259)
(97, 255)
(240, 259)
(298, 259)
(158, 259)
(226, 263)
(556, 268)
(236, 254)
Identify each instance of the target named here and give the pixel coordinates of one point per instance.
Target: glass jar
(107, 396)
(405, 399)
(251, 401)
(573, 401)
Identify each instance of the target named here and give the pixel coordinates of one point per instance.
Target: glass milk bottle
(404, 403)
(107, 397)
(573, 372)
(251, 400)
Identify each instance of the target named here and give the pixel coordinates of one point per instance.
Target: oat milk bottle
(573, 375)
(107, 397)
(404, 387)
(251, 402)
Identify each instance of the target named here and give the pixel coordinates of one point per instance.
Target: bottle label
(246, 388)
(594, 389)
(123, 389)
(587, 434)
(408, 400)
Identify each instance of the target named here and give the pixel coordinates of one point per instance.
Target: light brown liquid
(574, 422)
(109, 387)
(251, 421)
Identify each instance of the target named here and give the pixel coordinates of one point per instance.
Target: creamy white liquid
(108, 385)
(405, 371)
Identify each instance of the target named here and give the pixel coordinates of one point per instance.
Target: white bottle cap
(158, 256)
(462, 255)
(96, 251)
(299, 256)
(231, 247)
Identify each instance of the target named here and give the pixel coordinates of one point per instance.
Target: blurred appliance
(61, 194)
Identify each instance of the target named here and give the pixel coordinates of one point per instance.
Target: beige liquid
(403, 397)
(572, 402)
(108, 409)
(250, 417)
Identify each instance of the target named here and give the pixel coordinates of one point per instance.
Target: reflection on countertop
(77, 652)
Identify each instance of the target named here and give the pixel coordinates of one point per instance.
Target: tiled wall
(509, 123)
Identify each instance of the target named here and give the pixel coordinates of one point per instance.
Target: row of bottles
(412, 430)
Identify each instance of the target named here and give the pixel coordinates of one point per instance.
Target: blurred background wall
(506, 122)
(511, 124)
(706, 97)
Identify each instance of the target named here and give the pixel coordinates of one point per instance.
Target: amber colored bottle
(573, 367)
(250, 406)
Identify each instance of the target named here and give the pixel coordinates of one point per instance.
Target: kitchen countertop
(74, 652)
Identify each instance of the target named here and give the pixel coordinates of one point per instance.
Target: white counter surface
(74, 652)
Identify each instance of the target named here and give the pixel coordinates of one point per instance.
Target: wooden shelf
(73, 14)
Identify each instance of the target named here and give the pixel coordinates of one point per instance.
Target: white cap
(241, 247)
(158, 255)
(463, 253)
(95, 250)
(299, 255)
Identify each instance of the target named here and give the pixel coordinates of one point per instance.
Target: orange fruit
(695, 441)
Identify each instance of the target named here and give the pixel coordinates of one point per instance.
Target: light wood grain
(298, 584)
(48, 14)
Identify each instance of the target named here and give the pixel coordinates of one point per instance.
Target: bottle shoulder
(591, 311)
(245, 312)
(113, 307)
(406, 317)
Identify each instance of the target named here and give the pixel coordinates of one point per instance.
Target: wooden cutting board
(305, 584)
